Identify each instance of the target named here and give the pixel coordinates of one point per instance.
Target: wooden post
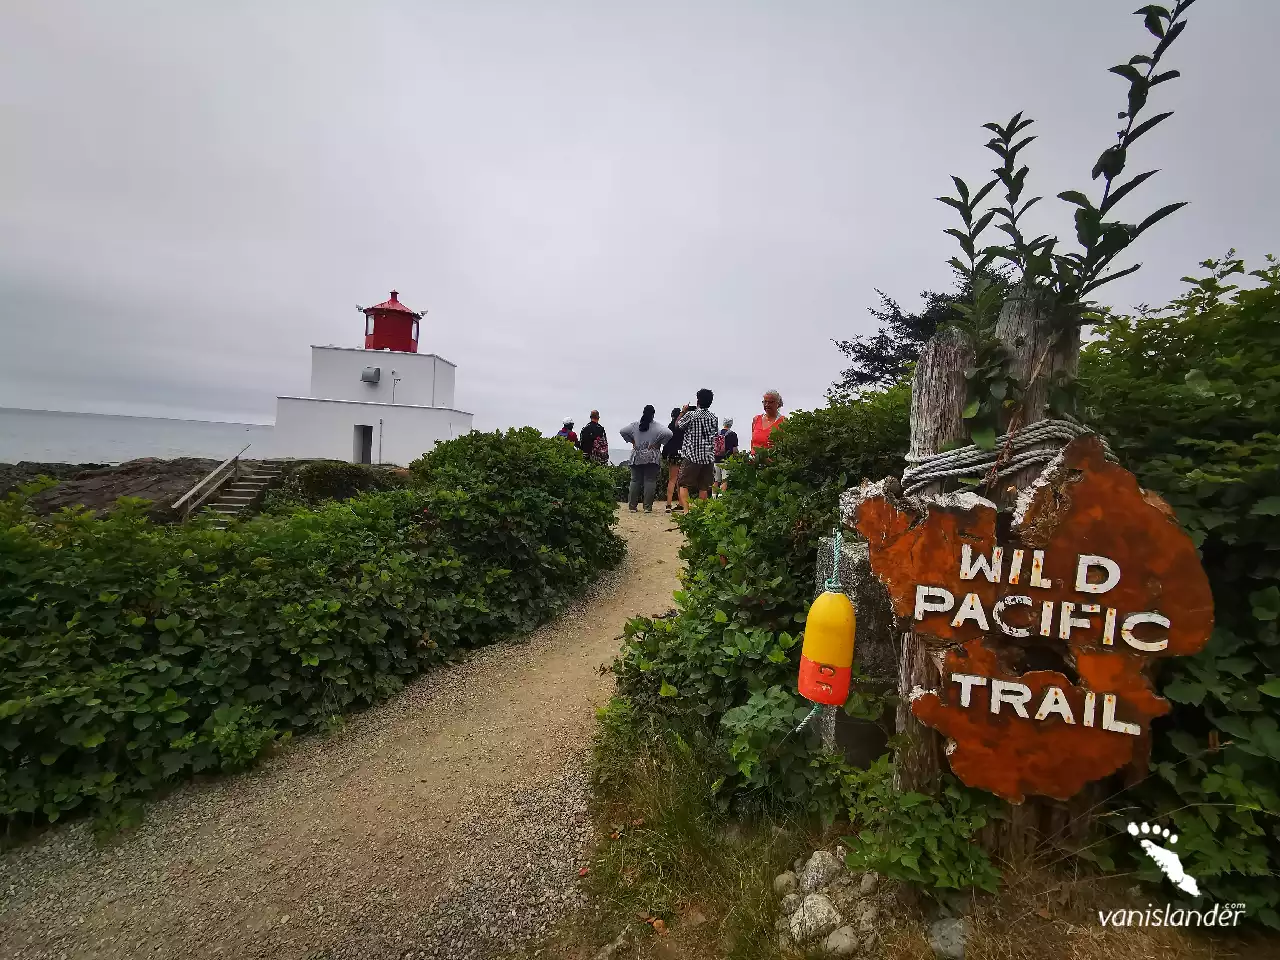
(1040, 348)
(937, 406)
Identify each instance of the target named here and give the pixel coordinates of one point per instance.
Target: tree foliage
(886, 357)
(1189, 396)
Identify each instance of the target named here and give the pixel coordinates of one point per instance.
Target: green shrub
(313, 482)
(729, 654)
(1190, 398)
(132, 655)
(927, 840)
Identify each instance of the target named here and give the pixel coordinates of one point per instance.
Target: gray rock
(841, 942)
(947, 938)
(867, 915)
(821, 869)
(790, 902)
(784, 883)
(870, 880)
(815, 918)
(798, 865)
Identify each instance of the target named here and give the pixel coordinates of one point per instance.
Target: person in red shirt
(765, 423)
(566, 433)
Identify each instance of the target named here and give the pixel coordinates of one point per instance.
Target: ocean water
(49, 436)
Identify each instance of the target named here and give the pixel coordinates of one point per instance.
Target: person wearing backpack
(723, 447)
(566, 432)
(594, 442)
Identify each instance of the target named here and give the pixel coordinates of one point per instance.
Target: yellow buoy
(826, 658)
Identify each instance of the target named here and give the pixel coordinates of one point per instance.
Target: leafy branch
(1068, 277)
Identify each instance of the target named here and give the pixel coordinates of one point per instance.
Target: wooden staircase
(242, 495)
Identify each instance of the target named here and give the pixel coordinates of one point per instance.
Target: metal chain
(1012, 453)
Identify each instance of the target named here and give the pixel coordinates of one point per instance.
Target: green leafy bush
(929, 840)
(132, 655)
(1190, 398)
(727, 658)
(317, 481)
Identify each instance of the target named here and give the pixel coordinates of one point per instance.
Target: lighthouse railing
(190, 501)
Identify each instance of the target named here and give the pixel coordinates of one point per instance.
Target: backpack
(717, 446)
(600, 449)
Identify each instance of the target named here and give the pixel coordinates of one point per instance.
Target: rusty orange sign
(1043, 634)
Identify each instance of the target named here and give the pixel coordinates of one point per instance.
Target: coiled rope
(1013, 451)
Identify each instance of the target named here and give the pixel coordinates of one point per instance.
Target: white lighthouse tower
(380, 403)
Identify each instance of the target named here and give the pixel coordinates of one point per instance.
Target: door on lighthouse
(363, 452)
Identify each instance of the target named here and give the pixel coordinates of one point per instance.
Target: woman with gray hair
(764, 424)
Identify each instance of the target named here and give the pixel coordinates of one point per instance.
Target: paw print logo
(1170, 863)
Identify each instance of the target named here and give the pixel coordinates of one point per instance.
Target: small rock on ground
(784, 883)
(841, 942)
(947, 938)
(790, 902)
(815, 918)
(821, 869)
(870, 879)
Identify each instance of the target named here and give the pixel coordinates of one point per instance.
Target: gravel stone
(947, 938)
(790, 902)
(815, 918)
(821, 869)
(784, 883)
(870, 880)
(841, 942)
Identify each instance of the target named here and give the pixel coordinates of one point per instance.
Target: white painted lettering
(1109, 721)
(1147, 646)
(1068, 621)
(1055, 701)
(988, 567)
(1037, 571)
(1014, 694)
(1046, 619)
(971, 609)
(1085, 562)
(967, 682)
(1015, 566)
(1109, 628)
(1090, 705)
(933, 600)
(1090, 608)
(997, 614)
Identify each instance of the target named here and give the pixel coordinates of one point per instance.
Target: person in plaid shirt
(697, 453)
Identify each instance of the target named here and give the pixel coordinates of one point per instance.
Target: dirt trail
(448, 822)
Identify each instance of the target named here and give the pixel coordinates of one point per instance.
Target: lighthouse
(391, 326)
(381, 403)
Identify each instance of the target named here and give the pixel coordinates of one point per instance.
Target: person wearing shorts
(697, 451)
(671, 455)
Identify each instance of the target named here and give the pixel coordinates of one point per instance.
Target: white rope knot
(1023, 450)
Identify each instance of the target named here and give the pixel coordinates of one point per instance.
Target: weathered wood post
(937, 418)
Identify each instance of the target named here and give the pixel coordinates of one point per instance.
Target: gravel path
(449, 822)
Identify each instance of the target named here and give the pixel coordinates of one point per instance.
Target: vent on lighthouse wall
(371, 374)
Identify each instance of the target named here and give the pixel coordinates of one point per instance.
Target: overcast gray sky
(598, 203)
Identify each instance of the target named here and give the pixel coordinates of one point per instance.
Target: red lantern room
(391, 326)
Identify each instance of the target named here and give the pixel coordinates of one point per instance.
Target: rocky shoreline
(98, 486)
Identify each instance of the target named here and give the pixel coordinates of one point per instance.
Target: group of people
(693, 444)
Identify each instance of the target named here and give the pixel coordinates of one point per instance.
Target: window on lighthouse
(415, 331)
(368, 326)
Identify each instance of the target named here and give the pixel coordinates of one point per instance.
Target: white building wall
(309, 428)
(424, 379)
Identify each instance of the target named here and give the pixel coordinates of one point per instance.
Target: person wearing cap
(566, 432)
(728, 447)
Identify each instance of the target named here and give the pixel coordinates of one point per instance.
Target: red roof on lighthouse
(393, 304)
